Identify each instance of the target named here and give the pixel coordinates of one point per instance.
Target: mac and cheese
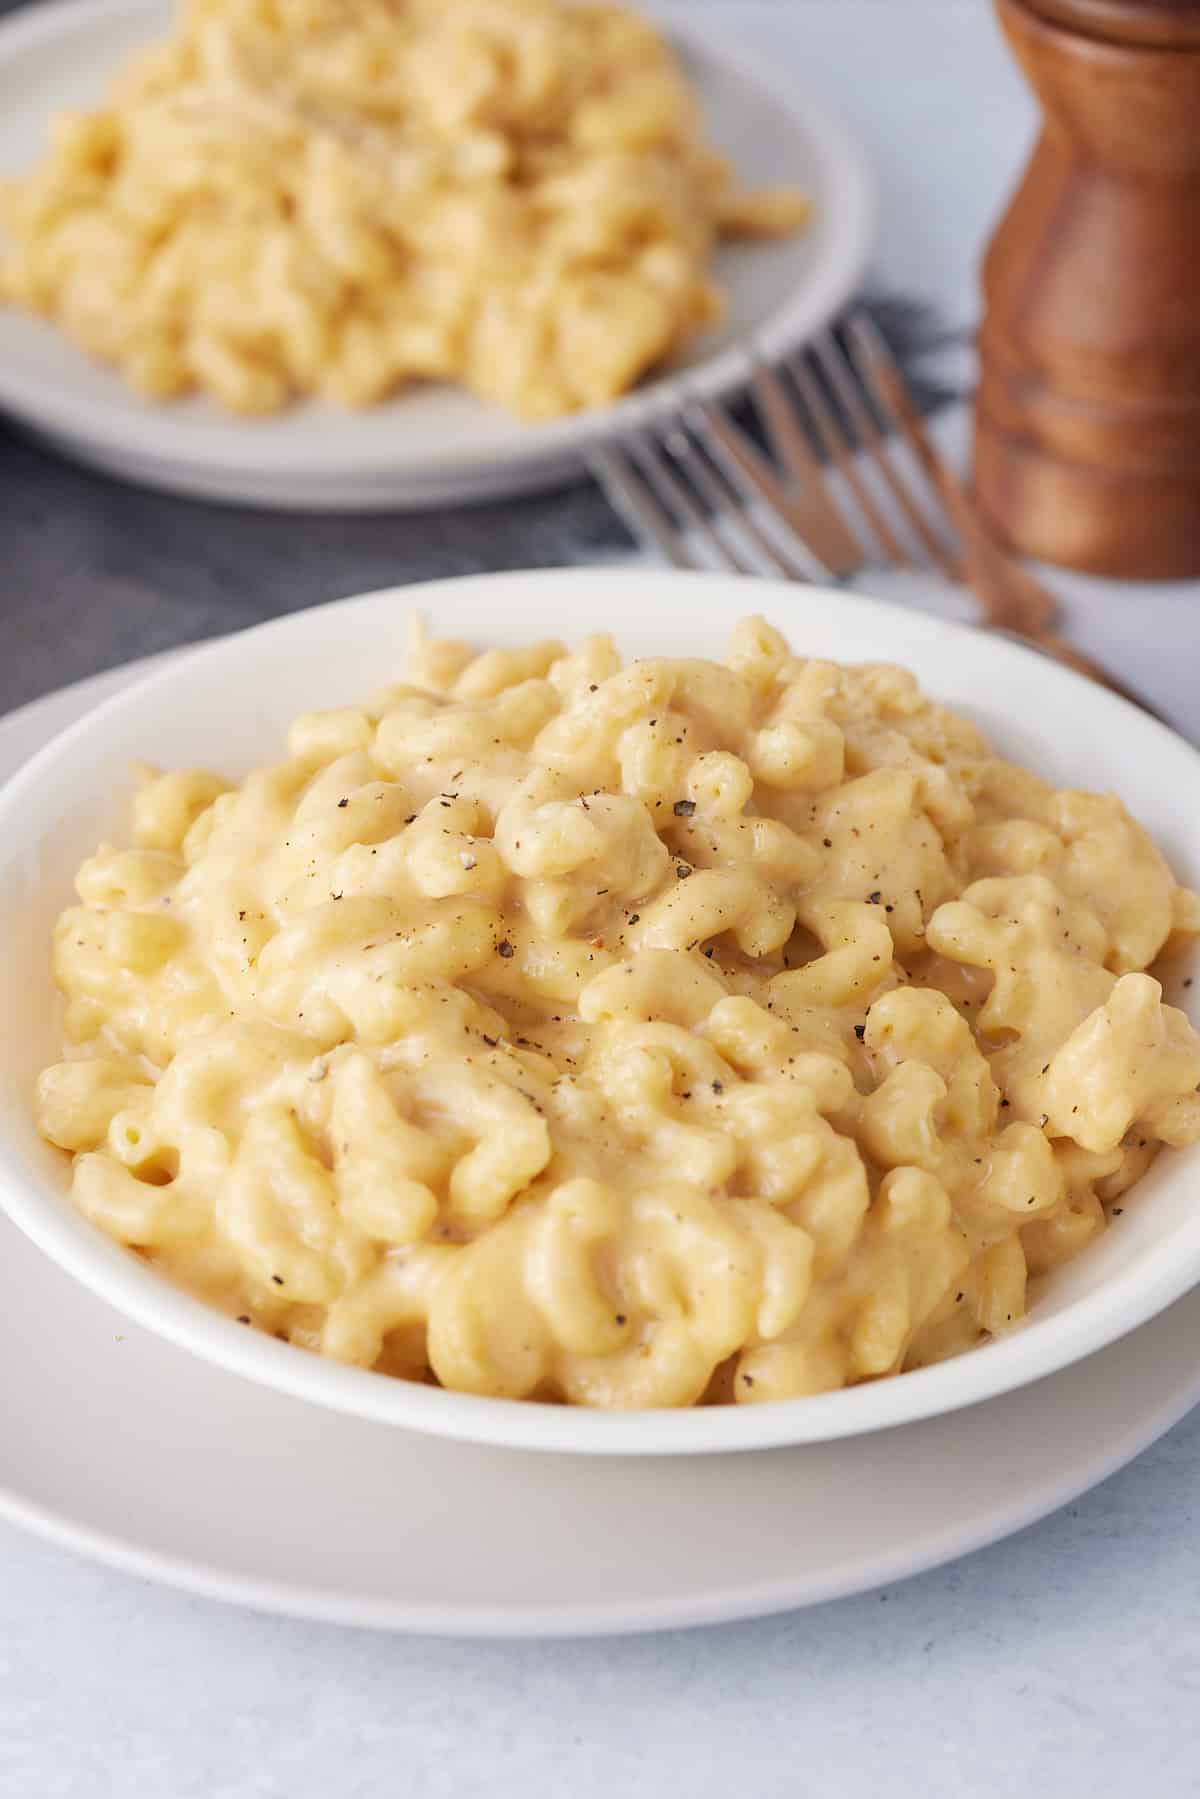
(629, 1036)
(292, 197)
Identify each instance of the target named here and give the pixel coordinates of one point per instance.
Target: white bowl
(228, 705)
(431, 444)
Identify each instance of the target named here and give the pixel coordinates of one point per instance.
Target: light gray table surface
(1064, 1662)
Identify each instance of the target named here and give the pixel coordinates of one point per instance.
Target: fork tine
(797, 508)
(845, 382)
(727, 502)
(669, 488)
(834, 444)
(868, 347)
(796, 453)
(1010, 595)
(632, 500)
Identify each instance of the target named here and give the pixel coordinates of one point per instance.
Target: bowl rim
(1033, 1349)
(58, 406)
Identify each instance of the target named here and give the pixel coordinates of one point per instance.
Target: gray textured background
(96, 572)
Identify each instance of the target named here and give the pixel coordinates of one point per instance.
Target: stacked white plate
(166, 1440)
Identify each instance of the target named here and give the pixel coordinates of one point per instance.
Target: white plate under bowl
(229, 703)
(431, 444)
(118, 1445)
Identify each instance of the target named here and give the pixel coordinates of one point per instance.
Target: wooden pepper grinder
(1087, 439)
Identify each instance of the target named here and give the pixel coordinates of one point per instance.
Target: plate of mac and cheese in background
(754, 1020)
(304, 256)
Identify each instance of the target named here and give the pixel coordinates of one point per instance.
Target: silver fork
(833, 498)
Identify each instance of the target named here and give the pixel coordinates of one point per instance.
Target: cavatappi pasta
(294, 197)
(628, 1036)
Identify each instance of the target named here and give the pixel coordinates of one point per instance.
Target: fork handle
(1019, 607)
(1003, 584)
(1050, 644)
